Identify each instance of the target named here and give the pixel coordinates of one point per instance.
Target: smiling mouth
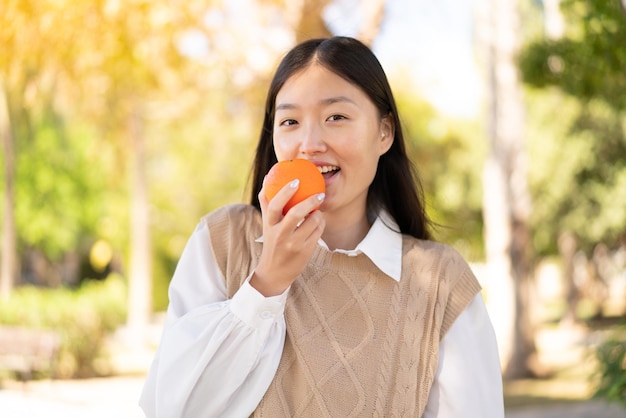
(328, 170)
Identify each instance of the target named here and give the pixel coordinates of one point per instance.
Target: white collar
(382, 245)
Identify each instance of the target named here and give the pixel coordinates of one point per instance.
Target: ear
(387, 132)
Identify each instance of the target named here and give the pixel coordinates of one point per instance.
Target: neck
(345, 232)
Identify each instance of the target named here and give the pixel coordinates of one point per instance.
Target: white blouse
(217, 357)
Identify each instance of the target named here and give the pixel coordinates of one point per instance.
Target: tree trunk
(373, 13)
(506, 202)
(568, 246)
(311, 22)
(140, 277)
(8, 256)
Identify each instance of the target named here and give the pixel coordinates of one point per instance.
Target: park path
(587, 409)
(116, 397)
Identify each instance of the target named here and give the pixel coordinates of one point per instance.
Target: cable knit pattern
(358, 343)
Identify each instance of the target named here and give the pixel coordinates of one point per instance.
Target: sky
(429, 40)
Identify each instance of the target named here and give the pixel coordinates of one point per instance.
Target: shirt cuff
(255, 309)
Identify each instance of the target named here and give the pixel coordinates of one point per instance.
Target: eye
(336, 118)
(288, 122)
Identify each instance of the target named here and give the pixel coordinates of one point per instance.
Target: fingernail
(294, 183)
(321, 196)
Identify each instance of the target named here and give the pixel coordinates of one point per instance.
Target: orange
(283, 172)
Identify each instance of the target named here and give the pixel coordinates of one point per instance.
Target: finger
(312, 226)
(308, 208)
(274, 208)
(304, 208)
(261, 196)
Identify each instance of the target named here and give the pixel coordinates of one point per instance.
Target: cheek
(282, 149)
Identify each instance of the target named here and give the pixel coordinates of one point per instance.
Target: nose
(312, 142)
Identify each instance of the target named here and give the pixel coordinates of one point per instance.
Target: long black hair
(396, 186)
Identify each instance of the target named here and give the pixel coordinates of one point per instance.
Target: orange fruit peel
(284, 172)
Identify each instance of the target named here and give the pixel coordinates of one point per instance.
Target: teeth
(327, 168)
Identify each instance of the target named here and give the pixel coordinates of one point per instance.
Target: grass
(534, 392)
(569, 353)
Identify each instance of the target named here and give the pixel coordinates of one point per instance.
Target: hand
(288, 241)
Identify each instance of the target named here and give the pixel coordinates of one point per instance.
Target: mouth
(328, 171)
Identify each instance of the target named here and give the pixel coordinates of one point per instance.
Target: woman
(348, 311)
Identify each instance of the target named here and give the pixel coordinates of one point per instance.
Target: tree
(136, 57)
(583, 71)
(506, 204)
(310, 22)
(373, 14)
(586, 62)
(104, 65)
(8, 254)
(306, 17)
(26, 77)
(122, 73)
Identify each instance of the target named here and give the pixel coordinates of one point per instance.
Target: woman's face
(323, 118)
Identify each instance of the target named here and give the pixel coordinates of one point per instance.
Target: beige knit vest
(358, 343)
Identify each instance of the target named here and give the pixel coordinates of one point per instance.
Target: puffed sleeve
(216, 357)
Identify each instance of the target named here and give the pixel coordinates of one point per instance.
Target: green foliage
(59, 189)
(93, 68)
(197, 165)
(577, 133)
(611, 357)
(577, 172)
(449, 155)
(589, 61)
(83, 318)
(88, 71)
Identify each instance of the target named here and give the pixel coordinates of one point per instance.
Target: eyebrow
(325, 102)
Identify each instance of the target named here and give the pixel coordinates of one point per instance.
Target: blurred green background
(123, 122)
